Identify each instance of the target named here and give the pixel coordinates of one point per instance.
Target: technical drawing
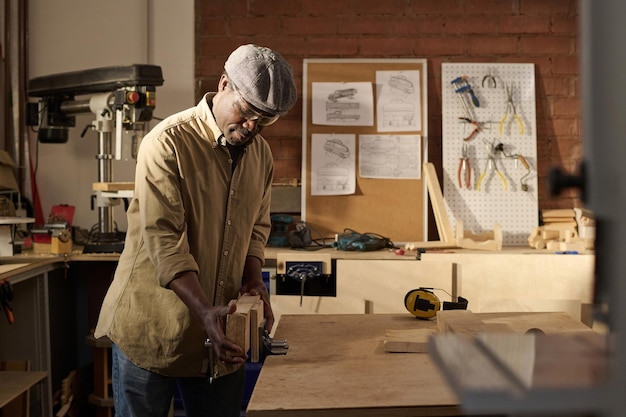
(342, 111)
(399, 113)
(346, 92)
(332, 178)
(389, 156)
(343, 104)
(337, 147)
(402, 83)
(398, 103)
(333, 164)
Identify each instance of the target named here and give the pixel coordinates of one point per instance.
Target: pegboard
(474, 107)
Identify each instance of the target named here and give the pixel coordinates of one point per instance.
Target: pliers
(474, 132)
(464, 172)
(510, 109)
(491, 165)
(490, 80)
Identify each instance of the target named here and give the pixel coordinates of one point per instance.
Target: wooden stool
(101, 396)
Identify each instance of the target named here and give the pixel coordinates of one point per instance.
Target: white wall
(72, 35)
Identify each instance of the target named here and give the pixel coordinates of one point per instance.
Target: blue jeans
(141, 393)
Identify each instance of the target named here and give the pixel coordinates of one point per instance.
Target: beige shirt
(190, 211)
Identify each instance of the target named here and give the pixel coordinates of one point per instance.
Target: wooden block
(257, 323)
(407, 341)
(238, 323)
(113, 186)
(558, 213)
(237, 330)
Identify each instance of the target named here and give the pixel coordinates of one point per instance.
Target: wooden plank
(438, 205)
(256, 328)
(444, 227)
(113, 186)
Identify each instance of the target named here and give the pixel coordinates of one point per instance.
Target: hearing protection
(424, 304)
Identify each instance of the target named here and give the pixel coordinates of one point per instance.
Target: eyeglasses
(246, 111)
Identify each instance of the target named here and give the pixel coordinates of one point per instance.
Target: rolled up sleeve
(162, 213)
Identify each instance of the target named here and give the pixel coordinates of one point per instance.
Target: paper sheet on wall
(390, 156)
(342, 104)
(398, 107)
(333, 162)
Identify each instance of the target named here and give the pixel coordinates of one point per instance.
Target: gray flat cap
(263, 78)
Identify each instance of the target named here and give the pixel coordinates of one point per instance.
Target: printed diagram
(342, 104)
(398, 114)
(398, 101)
(336, 147)
(332, 164)
(332, 179)
(339, 110)
(400, 82)
(391, 157)
(346, 92)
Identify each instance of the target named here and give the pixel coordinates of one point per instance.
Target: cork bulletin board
(364, 143)
(509, 199)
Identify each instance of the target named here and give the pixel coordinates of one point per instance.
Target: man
(197, 227)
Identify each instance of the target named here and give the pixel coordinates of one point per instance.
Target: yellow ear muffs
(424, 304)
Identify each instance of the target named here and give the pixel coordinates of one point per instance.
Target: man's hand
(252, 283)
(214, 324)
(212, 319)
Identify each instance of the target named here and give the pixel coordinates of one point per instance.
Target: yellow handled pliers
(490, 165)
(510, 109)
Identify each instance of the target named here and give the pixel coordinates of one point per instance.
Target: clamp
(462, 85)
(271, 346)
(274, 346)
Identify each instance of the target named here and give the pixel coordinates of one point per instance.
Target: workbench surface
(337, 366)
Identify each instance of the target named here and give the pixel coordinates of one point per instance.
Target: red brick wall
(543, 32)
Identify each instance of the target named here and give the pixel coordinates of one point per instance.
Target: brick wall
(543, 32)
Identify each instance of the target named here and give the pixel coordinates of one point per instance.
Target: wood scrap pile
(561, 230)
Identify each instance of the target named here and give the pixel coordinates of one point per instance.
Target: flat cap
(263, 78)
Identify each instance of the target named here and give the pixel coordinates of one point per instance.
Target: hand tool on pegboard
(461, 85)
(510, 109)
(490, 165)
(525, 165)
(464, 170)
(489, 79)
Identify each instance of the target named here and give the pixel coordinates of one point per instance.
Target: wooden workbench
(336, 366)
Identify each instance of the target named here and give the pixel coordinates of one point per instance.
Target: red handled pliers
(464, 172)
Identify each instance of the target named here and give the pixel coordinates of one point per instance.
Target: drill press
(121, 98)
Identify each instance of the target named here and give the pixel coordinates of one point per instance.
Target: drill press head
(132, 90)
